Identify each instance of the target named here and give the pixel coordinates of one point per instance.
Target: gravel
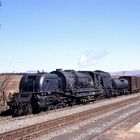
(9, 125)
(69, 131)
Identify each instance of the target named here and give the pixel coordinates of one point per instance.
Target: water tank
(119, 83)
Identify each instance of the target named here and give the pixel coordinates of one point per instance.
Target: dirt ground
(119, 136)
(126, 130)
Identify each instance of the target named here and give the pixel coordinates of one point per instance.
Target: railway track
(36, 130)
(10, 118)
(7, 118)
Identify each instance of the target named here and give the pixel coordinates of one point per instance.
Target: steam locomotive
(47, 91)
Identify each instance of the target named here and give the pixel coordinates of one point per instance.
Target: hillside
(126, 73)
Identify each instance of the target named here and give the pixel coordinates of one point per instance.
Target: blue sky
(69, 34)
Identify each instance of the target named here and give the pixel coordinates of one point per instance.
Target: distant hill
(126, 73)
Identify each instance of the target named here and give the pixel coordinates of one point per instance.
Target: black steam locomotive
(46, 91)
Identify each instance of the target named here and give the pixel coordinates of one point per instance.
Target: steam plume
(89, 58)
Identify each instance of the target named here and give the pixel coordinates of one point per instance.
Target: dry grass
(9, 84)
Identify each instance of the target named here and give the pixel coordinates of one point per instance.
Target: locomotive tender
(46, 91)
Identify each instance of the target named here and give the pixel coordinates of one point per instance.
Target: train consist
(46, 91)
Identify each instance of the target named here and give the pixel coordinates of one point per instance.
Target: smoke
(91, 58)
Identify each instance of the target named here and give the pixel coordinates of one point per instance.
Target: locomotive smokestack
(58, 69)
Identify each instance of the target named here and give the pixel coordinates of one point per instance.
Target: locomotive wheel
(36, 108)
(65, 103)
(73, 102)
(59, 106)
(29, 109)
(109, 94)
(17, 112)
(50, 107)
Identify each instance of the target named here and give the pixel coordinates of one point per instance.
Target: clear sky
(69, 34)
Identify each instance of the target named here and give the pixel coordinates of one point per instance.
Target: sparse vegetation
(9, 84)
(4, 84)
